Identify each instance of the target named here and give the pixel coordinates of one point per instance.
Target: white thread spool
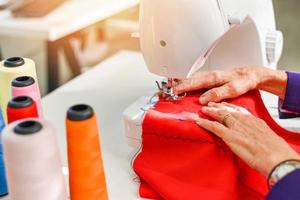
(32, 161)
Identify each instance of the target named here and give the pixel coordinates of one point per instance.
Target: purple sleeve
(286, 114)
(292, 95)
(287, 188)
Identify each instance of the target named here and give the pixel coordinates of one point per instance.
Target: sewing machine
(180, 37)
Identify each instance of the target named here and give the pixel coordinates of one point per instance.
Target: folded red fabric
(181, 161)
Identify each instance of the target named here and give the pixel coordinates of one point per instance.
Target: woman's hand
(248, 137)
(230, 84)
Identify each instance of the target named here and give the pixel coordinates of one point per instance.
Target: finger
(224, 116)
(226, 91)
(237, 108)
(215, 113)
(200, 81)
(235, 111)
(222, 106)
(238, 144)
(213, 126)
(230, 105)
(187, 85)
(213, 104)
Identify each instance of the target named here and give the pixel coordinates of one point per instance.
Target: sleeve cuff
(286, 114)
(287, 188)
(292, 96)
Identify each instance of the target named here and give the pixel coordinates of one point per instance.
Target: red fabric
(181, 161)
(14, 114)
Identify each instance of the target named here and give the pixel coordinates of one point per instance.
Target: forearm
(274, 82)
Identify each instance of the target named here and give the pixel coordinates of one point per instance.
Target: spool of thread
(32, 161)
(10, 69)
(3, 184)
(87, 179)
(27, 86)
(21, 107)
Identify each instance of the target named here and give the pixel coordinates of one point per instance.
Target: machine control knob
(274, 46)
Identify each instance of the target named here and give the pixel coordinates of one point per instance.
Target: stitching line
(219, 145)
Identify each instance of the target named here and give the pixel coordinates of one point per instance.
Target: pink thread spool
(27, 86)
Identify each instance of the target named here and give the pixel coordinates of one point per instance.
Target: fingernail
(204, 100)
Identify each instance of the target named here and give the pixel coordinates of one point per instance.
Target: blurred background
(67, 37)
(288, 21)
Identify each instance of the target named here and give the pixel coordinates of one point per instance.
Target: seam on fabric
(220, 146)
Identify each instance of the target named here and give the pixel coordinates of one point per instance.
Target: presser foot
(166, 91)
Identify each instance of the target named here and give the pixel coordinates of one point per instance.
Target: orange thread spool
(87, 179)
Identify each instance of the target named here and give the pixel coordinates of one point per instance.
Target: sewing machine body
(180, 37)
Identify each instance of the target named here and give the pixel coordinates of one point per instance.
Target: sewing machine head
(180, 37)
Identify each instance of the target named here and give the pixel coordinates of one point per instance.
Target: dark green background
(288, 21)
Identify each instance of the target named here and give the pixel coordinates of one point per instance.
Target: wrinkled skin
(248, 137)
(234, 83)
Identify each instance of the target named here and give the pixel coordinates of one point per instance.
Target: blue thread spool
(3, 184)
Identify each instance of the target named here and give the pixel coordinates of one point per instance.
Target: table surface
(109, 88)
(71, 16)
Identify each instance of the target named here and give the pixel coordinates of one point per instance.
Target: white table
(58, 27)
(109, 88)
(71, 16)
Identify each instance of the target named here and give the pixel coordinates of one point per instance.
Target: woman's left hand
(248, 137)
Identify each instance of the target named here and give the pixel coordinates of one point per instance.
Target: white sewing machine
(180, 37)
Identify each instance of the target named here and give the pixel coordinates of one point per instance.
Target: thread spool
(32, 161)
(87, 179)
(10, 69)
(21, 107)
(27, 86)
(3, 184)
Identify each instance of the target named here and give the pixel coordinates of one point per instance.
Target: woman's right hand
(230, 84)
